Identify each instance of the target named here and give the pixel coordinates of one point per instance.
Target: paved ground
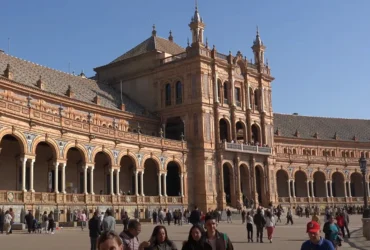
(286, 237)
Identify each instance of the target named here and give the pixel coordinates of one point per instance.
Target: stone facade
(166, 126)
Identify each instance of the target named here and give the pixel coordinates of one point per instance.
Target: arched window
(314, 152)
(226, 92)
(294, 151)
(178, 93)
(256, 98)
(285, 150)
(333, 153)
(352, 154)
(168, 94)
(347, 154)
(219, 84)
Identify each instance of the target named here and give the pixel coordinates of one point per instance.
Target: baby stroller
(37, 228)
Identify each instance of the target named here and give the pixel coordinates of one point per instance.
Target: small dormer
(70, 93)
(40, 84)
(96, 99)
(8, 72)
(296, 134)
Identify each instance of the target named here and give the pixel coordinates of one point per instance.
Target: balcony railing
(237, 147)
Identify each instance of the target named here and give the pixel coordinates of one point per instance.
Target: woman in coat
(196, 240)
(158, 241)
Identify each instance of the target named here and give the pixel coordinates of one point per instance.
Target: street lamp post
(363, 167)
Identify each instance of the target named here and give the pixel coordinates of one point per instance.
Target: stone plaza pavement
(285, 237)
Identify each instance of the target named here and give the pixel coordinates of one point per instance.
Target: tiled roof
(57, 82)
(326, 128)
(153, 43)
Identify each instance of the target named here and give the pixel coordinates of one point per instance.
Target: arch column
(182, 184)
(64, 177)
(165, 184)
(349, 189)
(368, 189)
(32, 175)
(345, 189)
(308, 189)
(85, 179)
(136, 183)
(142, 183)
(111, 181)
(24, 163)
(293, 187)
(289, 190)
(326, 188)
(92, 179)
(160, 184)
(56, 177)
(312, 190)
(117, 182)
(331, 188)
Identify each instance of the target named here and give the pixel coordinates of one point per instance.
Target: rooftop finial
(196, 5)
(170, 37)
(154, 32)
(258, 38)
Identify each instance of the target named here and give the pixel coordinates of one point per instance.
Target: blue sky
(318, 50)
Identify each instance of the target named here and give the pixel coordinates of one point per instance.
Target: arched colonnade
(320, 184)
(46, 166)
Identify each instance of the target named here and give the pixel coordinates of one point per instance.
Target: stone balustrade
(20, 197)
(317, 159)
(322, 200)
(238, 147)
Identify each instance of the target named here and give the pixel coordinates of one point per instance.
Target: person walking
(228, 215)
(94, 230)
(45, 222)
(260, 223)
(289, 216)
(51, 222)
(346, 222)
(249, 219)
(130, 236)
(29, 221)
(109, 222)
(195, 216)
(83, 219)
(169, 217)
(11, 212)
(270, 225)
(154, 216)
(7, 222)
(243, 216)
(331, 230)
(315, 240)
(125, 221)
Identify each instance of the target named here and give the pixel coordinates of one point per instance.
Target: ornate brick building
(166, 126)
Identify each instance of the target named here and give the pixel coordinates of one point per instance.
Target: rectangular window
(237, 97)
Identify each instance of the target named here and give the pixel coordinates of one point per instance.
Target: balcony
(236, 147)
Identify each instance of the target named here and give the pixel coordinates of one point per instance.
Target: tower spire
(154, 32)
(258, 49)
(197, 26)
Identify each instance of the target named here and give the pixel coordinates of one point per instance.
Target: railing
(35, 116)
(221, 56)
(237, 147)
(316, 159)
(323, 200)
(173, 58)
(13, 197)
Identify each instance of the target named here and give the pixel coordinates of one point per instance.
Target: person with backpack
(260, 222)
(216, 239)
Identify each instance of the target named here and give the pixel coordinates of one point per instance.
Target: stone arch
(102, 174)
(80, 147)
(11, 155)
(48, 141)
(319, 183)
(105, 151)
(300, 180)
(16, 134)
(173, 169)
(338, 183)
(45, 162)
(150, 179)
(225, 129)
(293, 174)
(282, 181)
(178, 162)
(155, 158)
(131, 155)
(260, 183)
(241, 135)
(245, 183)
(356, 184)
(256, 133)
(228, 182)
(74, 172)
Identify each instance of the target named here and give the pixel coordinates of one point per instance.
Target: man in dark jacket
(29, 221)
(260, 223)
(94, 227)
(195, 216)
